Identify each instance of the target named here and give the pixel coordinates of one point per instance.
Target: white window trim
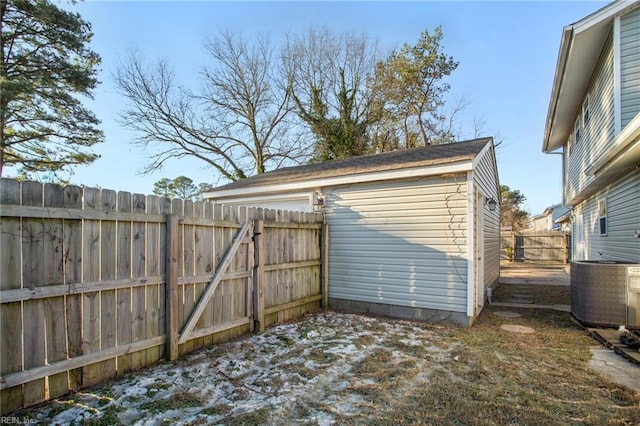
(585, 111)
(606, 217)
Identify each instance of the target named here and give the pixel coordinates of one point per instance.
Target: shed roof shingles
(394, 160)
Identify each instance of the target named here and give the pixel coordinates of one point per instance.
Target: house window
(602, 216)
(576, 132)
(585, 112)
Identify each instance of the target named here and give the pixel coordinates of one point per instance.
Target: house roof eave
(580, 49)
(563, 53)
(564, 216)
(318, 183)
(425, 161)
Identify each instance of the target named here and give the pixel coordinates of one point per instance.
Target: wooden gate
(538, 246)
(97, 283)
(244, 259)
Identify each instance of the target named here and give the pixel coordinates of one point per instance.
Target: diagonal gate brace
(213, 284)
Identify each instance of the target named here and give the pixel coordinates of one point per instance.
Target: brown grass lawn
(332, 368)
(507, 378)
(542, 294)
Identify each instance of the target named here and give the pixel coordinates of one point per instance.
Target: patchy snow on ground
(318, 370)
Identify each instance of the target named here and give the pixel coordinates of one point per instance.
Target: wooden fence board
(219, 245)
(172, 298)
(123, 270)
(206, 266)
(227, 238)
(10, 271)
(11, 331)
(93, 277)
(198, 261)
(78, 362)
(73, 274)
(54, 307)
(138, 269)
(154, 259)
(235, 286)
(247, 283)
(79, 214)
(91, 301)
(259, 276)
(108, 305)
(269, 251)
(33, 310)
(243, 284)
(188, 290)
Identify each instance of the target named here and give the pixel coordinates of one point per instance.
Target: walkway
(524, 285)
(547, 287)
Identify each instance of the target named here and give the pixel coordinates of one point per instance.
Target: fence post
(324, 264)
(258, 275)
(171, 289)
(249, 283)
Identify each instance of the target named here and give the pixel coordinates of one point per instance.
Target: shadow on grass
(496, 377)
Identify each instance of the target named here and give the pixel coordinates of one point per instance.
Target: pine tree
(45, 70)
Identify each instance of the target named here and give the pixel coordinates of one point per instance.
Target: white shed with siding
(411, 233)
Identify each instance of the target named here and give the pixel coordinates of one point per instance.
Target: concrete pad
(530, 274)
(615, 367)
(610, 338)
(507, 314)
(561, 308)
(516, 281)
(517, 328)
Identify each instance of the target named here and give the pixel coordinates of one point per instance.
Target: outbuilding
(412, 233)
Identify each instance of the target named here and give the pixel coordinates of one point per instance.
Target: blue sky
(507, 52)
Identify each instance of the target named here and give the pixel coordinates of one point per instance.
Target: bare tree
(479, 130)
(331, 76)
(239, 123)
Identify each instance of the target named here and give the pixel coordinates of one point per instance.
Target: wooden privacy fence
(95, 283)
(536, 246)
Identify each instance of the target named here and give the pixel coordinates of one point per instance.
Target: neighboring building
(411, 232)
(546, 221)
(594, 119)
(539, 223)
(564, 221)
(552, 213)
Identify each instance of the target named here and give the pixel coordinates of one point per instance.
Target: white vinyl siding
(281, 203)
(598, 133)
(623, 220)
(400, 242)
(485, 177)
(630, 66)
